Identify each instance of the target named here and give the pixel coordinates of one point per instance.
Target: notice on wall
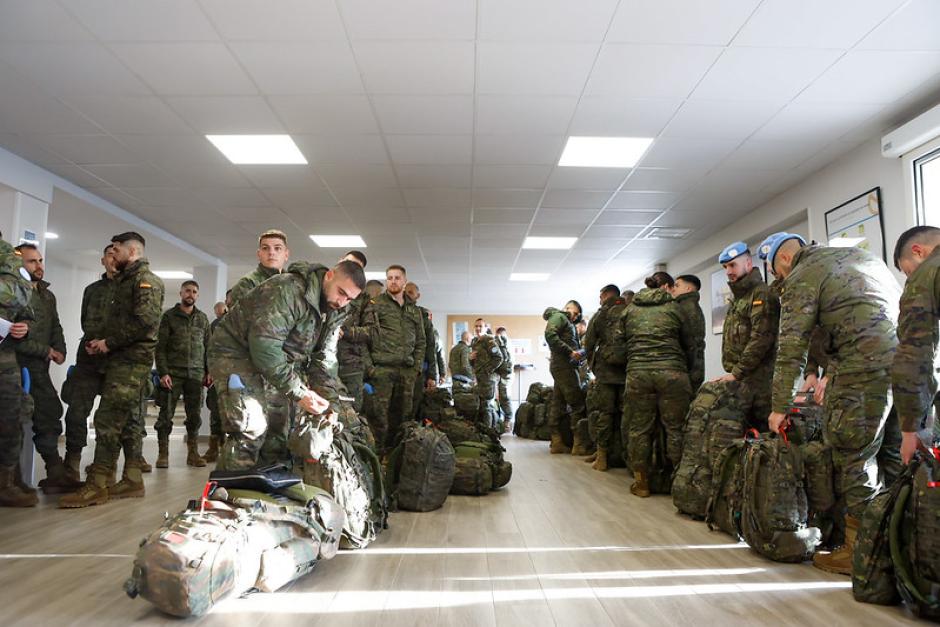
(857, 222)
(520, 346)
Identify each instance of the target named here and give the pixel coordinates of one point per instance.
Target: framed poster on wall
(857, 222)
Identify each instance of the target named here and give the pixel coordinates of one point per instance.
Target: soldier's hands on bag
(726, 378)
(777, 421)
(313, 403)
(166, 382)
(910, 443)
(809, 383)
(820, 394)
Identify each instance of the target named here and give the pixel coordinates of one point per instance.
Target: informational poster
(858, 223)
(521, 346)
(459, 329)
(721, 296)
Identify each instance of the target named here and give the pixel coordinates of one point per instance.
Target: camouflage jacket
(691, 310)
(750, 329)
(429, 365)
(656, 334)
(133, 319)
(487, 356)
(561, 337)
(817, 357)
(914, 373)
(398, 338)
(460, 365)
(505, 367)
(353, 348)
(15, 296)
(250, 281)
(854, 298)
(182, 343)
(96, 299)
(33, 350)
(601, 341)
(276, 329)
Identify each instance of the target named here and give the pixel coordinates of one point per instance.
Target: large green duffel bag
(473, 476)
(492, 453)
(420, 468)
(522, 424)
(467, 405)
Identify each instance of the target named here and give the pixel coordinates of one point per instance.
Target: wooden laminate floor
(560, 545)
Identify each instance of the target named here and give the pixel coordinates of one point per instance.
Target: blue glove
(68, 373)
(26, 380)
(368, 389)
(235, 382)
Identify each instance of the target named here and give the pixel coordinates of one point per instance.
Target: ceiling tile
(643, 200)
(448, 115)
(565, 198)
(643, 71)
(346, 175)
(680, 21)
(284, 20)
(573, 217)
(129, 175)
(500, 198)
(416, 67)
(518, 149)
(599, 235)
(767, 155)
(816, 121)
(430, 149)
(87, 149)
(410, 19)
(339, 149)
(130, 114)
(361, 197)
(556, 230)
(502, 217)
(587, 178)
(444, 245)
(619, 115)
(300, 68)
(611, 217)
(897, 72)
(326, 115)
(547, 69)
(282, 176)
(450, 198)
(166, 197)
(233, 197)
(186, 69)
(661, 179)
(558, 20)
(227, 114)
(720, 119)
(143, 20)
(416, 176)
(914, 27)
(500, 231)
(548, 115)
(511, 176)
(693, 154)
(39, 20)
(73, 173)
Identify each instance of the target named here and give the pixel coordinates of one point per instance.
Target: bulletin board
(857, 222)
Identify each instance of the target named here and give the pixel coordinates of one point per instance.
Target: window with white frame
(927, 187)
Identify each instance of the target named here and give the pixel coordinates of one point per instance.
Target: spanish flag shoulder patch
(145, 286)
(757, 302)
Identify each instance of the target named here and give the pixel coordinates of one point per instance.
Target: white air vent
(918, 131)
(662, 232)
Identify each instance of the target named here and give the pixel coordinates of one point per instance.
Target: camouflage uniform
(86, 378)
(747, 348)
(15, 296)
(660, 347)
(249, 282)
(486, 362)
(268, 337)
(853, 297)
(181, 353)
(689, 307)
(212, 395)
(505, 378)
(32, 353)
(398, 350)
(353, 348)
(461, 370)
(608, 362)
(428, 365)
(562, 339)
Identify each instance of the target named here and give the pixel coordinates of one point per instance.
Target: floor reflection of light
(623, 574)
(546, 549)
(41, 556)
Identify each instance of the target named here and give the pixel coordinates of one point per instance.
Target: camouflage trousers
(119, 420)
(651, 396)
(47, 412)
(11, 398)
(861, 426)
(568, 393)
(391, 402)
(191, 391)
(417, 397)
(353, 382)
(215, 418)
(605, 401)
(754, 398)
(505, 406)
(487, 408)
(79, 391)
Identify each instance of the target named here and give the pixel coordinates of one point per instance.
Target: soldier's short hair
(610, 288)
(692, 280)
(106, 249)
(395, 266)
(273, 234)
(129, 236)
(26, 245)
(352, 270)
(358, 255)
(915, 235)
(500, 330)
(373, 283)
(659, 279)
(190, 282)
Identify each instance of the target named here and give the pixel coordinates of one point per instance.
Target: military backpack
(420, 468)
(725, 502)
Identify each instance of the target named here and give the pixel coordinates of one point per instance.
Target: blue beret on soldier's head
(732, 251)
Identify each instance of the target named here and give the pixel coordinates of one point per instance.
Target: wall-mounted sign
(857, 222)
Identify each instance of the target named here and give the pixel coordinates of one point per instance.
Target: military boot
(73, 462)
(10, 495)
(590, 458)
(212, 453)
(18, 480)
(839, 561)
(144, 464)
(57, 480)
(640, 485)
(131, 485)
(94, 492)
(580, 446)
(163, 452)
(558, 445)
(600, 460)
(192, 455)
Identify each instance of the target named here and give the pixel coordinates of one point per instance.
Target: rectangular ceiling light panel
(338, 241)
(258, 149)
(375, 276)
(604, 152)
(173, 274)
(549, 243)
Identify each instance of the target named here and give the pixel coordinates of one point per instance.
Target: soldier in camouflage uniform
(427, 379)
(505, 374)
(181, 366)
(44, 343)
(608, 360)
(398, 349)
(853, 297)
(461, 370)
(15, 296)
(269, 337)
(129, 342)
(686, 294)
(660, 347)
(566, 355)
(216, 435)
(486, 358)
(353, 348)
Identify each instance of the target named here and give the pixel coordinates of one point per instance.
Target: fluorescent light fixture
(338, 241)
(258, 149)
(549, 243)
(667, 232)
(51, 235)
(375, 276)
(604, 152)
(845, 242)
(529, 276)
(173, 274)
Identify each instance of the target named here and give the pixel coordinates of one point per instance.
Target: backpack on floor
(435, 402)
(522, 423)
(467, 404)
(421, 468)
(724, 505)
(534, 395)
(691, 487)
(473, 476)
(493, 454)
(774, 511)
(820, 492)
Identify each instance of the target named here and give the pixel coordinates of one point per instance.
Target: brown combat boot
(163, 453)
(10, 495)
(839, 561)
(57, 480)
(192, 455)
(640, 485)
(600, 461)
(94, 492)
(73, 462)
(144, 464)
(131, 485)
(580, 447)
(212, 453)
(558, 445)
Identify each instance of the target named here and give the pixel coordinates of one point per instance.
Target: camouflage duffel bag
(548, 393)
(522, 423)
(420, 468)
(806, 419)
(467, 405)
(435, 401)
(534, 395)
(724, 505)
(490, 452)
(459, 430)
(472, 477)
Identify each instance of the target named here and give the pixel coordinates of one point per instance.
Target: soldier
(853, 297)
(461, 370)
(374, 288)
(273, 254)
(686, 294)
(914, 374)
(486, 358)
(327, 356)
(44, 343)
(15, 295)
(355, 339)
(749, 336)
(212, 397)
(505, 373)
(268, 339)
(660, 347)
(608, 362)
(128, 342)
(627, 296)
(427, 379)
(566, 355)
(181, 366)
(398, 350)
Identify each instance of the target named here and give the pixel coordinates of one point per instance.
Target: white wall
(68, 282)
